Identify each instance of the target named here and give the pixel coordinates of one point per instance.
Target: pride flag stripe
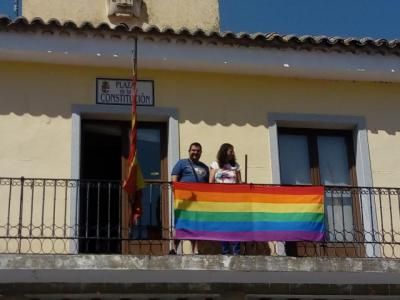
(248, 216)
(249, 236)
(250, 189)
(243, 197)
(248, 226)
(189, 205)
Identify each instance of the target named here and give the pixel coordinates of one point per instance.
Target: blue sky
(357, 18)
(7, 7)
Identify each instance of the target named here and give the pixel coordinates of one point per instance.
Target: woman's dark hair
(222, 156)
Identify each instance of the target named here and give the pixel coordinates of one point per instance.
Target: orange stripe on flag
(247, 197)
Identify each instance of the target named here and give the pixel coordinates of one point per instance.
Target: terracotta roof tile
(241, 38)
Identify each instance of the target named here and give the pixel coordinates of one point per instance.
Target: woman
(226, 170)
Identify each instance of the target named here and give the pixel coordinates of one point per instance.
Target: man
(190, 170)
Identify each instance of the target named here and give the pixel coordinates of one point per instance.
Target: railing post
(245, 168)
(9, 207)
(21, 208)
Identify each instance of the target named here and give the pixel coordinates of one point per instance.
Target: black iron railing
(64, 216)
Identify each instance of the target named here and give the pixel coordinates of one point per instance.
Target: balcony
(78, 236)
(63, 216)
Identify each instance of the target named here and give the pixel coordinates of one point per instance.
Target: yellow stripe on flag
(248, 207)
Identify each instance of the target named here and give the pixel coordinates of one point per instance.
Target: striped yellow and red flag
(134, 182)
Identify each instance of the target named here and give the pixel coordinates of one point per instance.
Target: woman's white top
(227, 174)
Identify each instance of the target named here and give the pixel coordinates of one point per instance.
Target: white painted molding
(170, 53)
(355, 123)
(363, 163)
(115, 112)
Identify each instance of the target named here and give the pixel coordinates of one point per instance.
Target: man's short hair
(195, 144)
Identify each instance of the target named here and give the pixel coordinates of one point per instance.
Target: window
(322, 157)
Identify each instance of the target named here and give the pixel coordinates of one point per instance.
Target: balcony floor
(35, 274)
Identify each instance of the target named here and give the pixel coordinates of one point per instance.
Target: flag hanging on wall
(245, 212)
(134, 181)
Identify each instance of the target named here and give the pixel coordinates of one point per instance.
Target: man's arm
(176, 172)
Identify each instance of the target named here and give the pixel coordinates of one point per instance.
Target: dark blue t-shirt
(184, 171)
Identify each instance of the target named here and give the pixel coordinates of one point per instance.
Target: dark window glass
(322, 157)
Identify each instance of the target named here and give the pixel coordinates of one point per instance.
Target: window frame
(312, 142)
(356, 124)
(312, 136)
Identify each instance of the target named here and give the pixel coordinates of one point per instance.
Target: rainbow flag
(246, 212)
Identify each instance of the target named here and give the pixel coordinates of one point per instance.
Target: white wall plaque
(118, 92)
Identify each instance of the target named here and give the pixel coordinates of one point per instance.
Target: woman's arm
(212, 175)
(238, 177)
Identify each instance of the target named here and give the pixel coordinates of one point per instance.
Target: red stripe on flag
(249, 188)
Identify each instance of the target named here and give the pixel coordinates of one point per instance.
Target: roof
(274, 40)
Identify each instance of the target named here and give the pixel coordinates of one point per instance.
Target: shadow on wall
(226, 99)
(212, 99)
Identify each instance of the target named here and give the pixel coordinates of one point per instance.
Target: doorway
(104, 216)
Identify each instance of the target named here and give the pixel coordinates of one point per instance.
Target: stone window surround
(362, 158)
(123, 113)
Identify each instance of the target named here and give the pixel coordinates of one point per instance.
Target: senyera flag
(134, 181)
(246, 212)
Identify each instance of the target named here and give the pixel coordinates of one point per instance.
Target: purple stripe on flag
(247, 236)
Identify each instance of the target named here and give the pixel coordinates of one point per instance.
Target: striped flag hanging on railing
(246, 212)
(134, 181)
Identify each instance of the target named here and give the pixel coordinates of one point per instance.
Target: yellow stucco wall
(192, 14)
(36, 127)
(35, 110)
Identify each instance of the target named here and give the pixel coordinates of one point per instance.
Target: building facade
(299, 111)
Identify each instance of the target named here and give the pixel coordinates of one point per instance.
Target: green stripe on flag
(248, 216)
